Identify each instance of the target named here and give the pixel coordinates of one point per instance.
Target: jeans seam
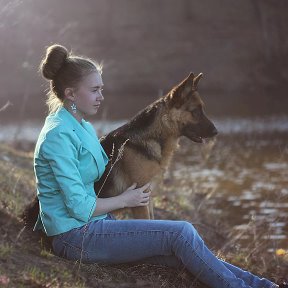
(65, 243)
(126, 233)
(132, 232)
(187, 243)
(163, 232)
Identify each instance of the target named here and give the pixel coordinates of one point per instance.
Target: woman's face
(88, 94)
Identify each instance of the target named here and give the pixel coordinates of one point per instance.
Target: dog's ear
(187, 82)
(190, 77)
(196, 81)
(178, 94)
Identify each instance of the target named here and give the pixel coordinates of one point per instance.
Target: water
(29, 130)
(242, 176)
(244, 181)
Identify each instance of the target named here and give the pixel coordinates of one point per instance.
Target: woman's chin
(90, 112)
(94, 111)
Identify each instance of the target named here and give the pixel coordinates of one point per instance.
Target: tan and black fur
(150, 138)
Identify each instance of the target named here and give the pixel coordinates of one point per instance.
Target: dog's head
(186, 110)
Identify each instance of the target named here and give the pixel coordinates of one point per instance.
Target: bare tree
(272, 19)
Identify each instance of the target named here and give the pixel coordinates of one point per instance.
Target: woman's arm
(132, 197)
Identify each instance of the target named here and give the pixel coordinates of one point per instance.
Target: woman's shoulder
(54, 126)
(58, 122)
(56, 132)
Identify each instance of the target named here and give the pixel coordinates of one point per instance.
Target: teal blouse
(68, 159)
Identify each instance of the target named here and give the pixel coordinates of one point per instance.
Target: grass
(5, 250)
(16, 179)
(27, 263)
(34, 276)
(46, 253)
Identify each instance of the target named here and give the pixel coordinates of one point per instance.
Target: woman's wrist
(121, 200)
(105, 205)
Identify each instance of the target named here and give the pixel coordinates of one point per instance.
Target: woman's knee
(187, 230)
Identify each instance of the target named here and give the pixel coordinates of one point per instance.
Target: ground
(25, 262)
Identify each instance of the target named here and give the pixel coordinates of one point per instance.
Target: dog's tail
(30, 214)
(29, 217)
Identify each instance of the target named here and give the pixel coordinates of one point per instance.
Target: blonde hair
(63, 69)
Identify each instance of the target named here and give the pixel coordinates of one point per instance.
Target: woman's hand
(134, 197)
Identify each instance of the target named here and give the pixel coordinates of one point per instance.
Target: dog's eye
(196, 113)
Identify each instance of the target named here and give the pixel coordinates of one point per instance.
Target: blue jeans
(165, 242)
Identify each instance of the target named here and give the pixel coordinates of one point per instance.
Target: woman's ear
(69, 94)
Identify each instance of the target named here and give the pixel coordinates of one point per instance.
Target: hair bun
(55, 57)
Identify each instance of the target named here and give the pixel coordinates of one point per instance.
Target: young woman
(68, 160)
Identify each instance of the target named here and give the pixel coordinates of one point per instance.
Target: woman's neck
(78, 115)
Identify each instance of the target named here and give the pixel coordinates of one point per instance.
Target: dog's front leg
(151, 210)
(144, 212)
(141, 212)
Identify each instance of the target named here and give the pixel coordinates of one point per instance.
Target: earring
(74, 108)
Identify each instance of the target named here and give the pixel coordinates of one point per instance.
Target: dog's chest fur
(161, 152)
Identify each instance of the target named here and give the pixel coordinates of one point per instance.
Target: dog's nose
(214, 131)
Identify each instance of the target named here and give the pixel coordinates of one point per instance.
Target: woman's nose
(100, 96)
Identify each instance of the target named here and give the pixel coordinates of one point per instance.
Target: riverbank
(195, 189)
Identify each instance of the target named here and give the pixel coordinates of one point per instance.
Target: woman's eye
(98, 90)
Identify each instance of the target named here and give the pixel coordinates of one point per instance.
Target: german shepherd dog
(147, 143)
